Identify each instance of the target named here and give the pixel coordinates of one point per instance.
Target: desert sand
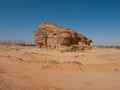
(32, 68)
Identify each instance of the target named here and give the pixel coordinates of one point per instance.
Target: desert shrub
(17, 42)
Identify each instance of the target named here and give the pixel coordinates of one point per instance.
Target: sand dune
(30, 68)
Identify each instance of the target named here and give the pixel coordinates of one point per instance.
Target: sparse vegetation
(17, 42)
(102, 46)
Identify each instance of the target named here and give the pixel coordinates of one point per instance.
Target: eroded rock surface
(51, 36)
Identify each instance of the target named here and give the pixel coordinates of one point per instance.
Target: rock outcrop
(52, 36)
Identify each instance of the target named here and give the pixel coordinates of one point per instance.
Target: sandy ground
(30, 68)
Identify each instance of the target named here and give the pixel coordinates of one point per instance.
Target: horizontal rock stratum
(51, 36)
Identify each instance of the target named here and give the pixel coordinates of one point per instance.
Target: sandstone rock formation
(52, 36)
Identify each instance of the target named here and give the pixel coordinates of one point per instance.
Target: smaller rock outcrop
(51, 36)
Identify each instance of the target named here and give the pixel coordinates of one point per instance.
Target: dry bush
(17, 42)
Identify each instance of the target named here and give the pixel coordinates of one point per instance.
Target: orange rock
(51, 36)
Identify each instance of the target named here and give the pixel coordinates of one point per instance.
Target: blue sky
(99, 20)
